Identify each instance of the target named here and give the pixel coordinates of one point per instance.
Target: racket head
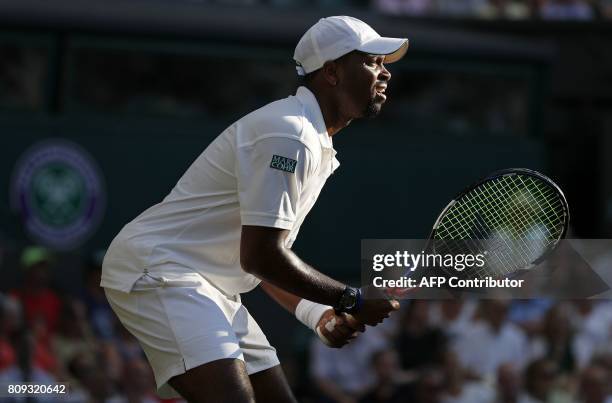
(515, 208)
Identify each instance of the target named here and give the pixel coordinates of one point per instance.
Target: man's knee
(221, 381)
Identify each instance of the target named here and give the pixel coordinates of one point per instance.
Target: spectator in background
(40, 303)
(529, 313)
(137, 383)
(22, 346)
(9, 323)
(41, 308)
(595, 385)
(418, 343)
(112, 358)
(581, 312)
(77, 370)
(428, 387)
(391, 382)
(343, 375)
(459, 388)
(25, 367)
(510, 9)
(556, 340)
(566, 10)
(491, 341)
(460, 8)
(539, 381)
(99, 311)
(73, 336)
(98, 384)
(604, 360)
(452, 316)
(594, 323)
(508, 384)
(126, 344)
(405, 7)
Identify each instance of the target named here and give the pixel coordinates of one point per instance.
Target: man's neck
(334, 121)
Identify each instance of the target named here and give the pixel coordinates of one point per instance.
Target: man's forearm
(282, 297)
(282, 268)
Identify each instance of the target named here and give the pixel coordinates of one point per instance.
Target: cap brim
(393, 48)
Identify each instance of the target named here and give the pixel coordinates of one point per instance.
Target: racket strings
(500, 256)
(555, 210)
(537, 235)
(499, 245)
(545, 197)
(514, 217)
(517, 217)
(475, 239)
(460, 222)
(486, 241)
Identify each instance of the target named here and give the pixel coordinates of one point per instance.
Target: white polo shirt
(266, 169)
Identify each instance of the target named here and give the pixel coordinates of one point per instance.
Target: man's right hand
(374, 311)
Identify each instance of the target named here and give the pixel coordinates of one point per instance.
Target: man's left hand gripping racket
(517, 217)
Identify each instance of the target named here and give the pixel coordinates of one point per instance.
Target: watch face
(349, 299)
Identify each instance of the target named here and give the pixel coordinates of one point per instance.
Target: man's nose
(385, 73)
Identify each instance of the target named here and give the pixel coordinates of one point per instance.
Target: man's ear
(330, 73)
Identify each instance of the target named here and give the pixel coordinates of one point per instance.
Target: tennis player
(175, 273)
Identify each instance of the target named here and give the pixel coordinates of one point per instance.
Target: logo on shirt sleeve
(283, 164)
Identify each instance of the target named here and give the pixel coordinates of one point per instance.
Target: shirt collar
(314, 115)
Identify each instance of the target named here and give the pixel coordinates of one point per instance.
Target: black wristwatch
(349, 301)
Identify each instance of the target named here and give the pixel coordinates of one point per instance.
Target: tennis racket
(517, 216)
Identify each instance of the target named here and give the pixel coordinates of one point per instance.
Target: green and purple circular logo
(58, 190)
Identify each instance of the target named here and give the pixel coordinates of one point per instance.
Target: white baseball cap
(333, 37)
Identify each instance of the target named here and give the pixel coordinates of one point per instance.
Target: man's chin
(372, 110)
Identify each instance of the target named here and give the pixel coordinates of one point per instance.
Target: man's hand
(338, 330)
(374, 311)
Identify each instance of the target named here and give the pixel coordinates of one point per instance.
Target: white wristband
(309, 313)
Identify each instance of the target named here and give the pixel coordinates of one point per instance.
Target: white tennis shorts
(182, 321)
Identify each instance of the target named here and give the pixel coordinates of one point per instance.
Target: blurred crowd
(510, 9)
(488, 351)
(47, 336)
(583, 10)
(449, 351)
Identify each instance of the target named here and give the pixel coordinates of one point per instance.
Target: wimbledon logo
(59, 193)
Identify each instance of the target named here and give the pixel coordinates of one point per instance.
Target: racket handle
(329, 326)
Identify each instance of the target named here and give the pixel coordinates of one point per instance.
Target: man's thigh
(221, 381)
(271, 385)
(179, 328)
(187, 327)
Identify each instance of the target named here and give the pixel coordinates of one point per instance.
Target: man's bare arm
(343, 331)
(284, 299)
(263, 254)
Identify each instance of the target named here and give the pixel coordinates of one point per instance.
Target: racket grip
(329, 326)
(323, 338)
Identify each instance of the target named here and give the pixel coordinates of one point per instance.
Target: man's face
(362, 80)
